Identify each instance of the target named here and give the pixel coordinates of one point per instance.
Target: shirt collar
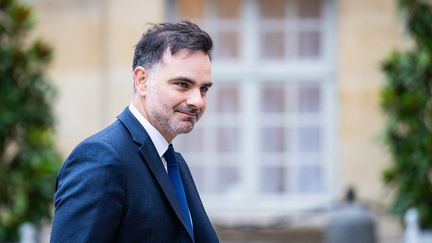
(158, 140)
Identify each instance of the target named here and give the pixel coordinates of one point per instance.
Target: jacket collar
(151, 157)
(138, 133)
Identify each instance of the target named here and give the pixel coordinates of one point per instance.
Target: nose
(195, 99)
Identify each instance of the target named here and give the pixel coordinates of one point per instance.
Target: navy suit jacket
(114, 188)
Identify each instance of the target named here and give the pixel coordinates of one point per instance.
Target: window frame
(245, 72)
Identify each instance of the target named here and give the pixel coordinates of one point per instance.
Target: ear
(140, 77)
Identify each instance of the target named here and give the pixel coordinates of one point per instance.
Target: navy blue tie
(174, 176)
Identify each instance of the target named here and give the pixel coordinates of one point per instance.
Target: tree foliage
(28, 159)
(407, 100)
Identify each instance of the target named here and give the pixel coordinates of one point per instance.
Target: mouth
(189, 114)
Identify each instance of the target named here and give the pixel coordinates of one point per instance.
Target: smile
(189, 114)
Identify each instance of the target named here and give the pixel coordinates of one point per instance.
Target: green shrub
(407, 100)
(28, 159)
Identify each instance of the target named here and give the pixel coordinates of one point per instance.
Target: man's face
(173, 95)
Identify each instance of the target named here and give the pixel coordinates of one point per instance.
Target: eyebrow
(188, 80)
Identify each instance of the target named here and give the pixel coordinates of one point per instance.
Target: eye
(183, 85)
(204, 89)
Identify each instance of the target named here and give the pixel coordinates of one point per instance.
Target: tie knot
(169, 155)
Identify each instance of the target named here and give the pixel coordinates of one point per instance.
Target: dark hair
(176, 36)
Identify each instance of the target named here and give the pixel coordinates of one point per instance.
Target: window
(267, 137)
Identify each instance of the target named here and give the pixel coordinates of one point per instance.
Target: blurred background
(293, 119)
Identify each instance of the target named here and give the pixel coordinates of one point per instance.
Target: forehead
(184, 55)
(187, 63)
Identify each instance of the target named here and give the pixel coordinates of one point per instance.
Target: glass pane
(228, 8)
(273, 99)
(273, 180)
(198, 175)
(291, 90)
(228, 178)
(228, 139)
(192, 142)
(227, 44)
(273, 139)
(272, 8)
(309, 139)
(190, 9)
(309, 179)
(309, 99)
(309, 8)
(272, 45)
(309, 44)
(228, 99)
(291, 44)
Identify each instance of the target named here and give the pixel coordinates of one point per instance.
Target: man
(125, 183)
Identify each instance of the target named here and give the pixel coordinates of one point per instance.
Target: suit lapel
(155, 164)
(153, 161)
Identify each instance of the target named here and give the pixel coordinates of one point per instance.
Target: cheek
(204, 105)
(169, 101)
(159, 95)
(175, 98)
(204, 99)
